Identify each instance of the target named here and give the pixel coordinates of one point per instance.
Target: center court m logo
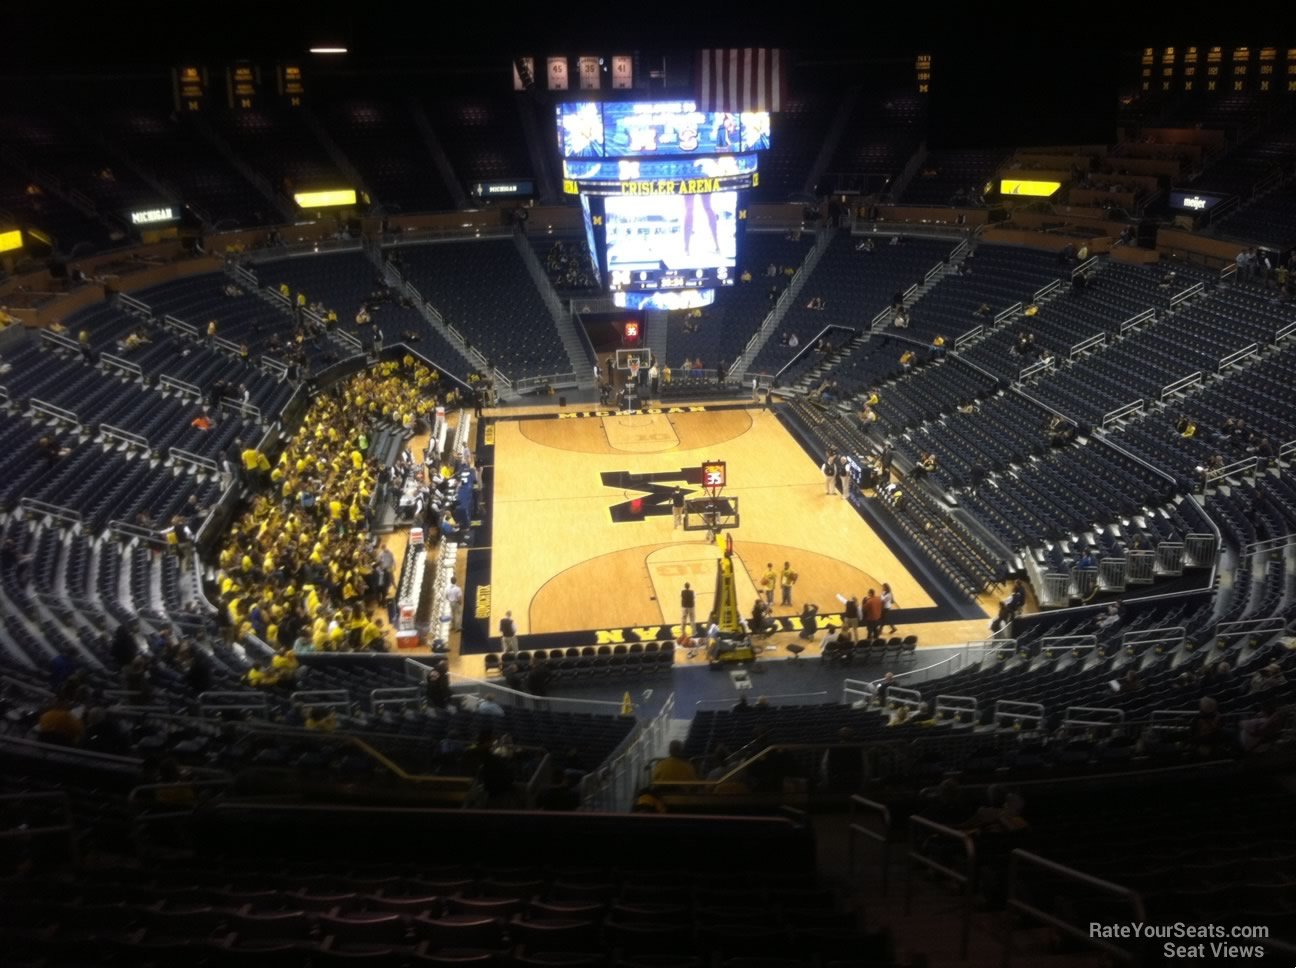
(656, 488)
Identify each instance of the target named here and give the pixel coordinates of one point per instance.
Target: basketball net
(634, 368)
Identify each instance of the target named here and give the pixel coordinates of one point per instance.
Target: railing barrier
(1010, 712)
(1136, 320)
(1140, 566)
(1056, 591)
(861, 808)
(1046, 290)
(960, 709)
(1052, 645)
(1235, 358)
(1086, 716)
(1134, 406)
(1170, 559)
(1188, 293)
(1020, 860)
(1179, 386)
(1112, 575)
(194, 460)
(118, 363)
(1085, 267)
(1247, 465)
(965, 879)
(1097, 339)
(57, 412)
(110, 432)
(1048, 363)
(1008, 313)
(214, 705)
(1201, 550)
(397, 696)
(179, 325)
(337, 699)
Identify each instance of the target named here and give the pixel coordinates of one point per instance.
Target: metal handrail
(1135, 406)
(1192, 290)
(393, 696)
(1118, 716)
(1234, 358)
(1280, 543)
(860, 806)
(787, 695)
(965, 881)
(243, 701)
(26, 687)
(1243, 466)
(1156, 636)
(65, 829)
(1008, 313)
(1137, 318)
(328, 698)
(457, 679)
(1271, 624)
(1018, 906)
(1181, 384)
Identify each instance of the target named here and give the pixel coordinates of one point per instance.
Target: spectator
(489, 707)
(59, 723)
(1260, 732)
(1205, 730)
(1270, 677)
(321, 719)
(675, 768)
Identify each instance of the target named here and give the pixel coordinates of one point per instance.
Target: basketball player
(687, 617)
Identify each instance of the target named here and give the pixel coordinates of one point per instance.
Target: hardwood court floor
(561, 563)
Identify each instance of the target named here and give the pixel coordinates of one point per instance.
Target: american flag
(739, 79)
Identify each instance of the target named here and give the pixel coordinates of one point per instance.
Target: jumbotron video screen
(660, 184)
(671, 241)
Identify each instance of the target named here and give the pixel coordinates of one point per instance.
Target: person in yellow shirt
(371, 633)
(261, 675)
(357, 460)
(323, 720)
(285, 663)
(768, 581)
(675, 768)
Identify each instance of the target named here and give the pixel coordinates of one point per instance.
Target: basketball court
(579, 541)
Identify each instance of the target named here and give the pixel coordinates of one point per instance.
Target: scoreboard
(660, 184)
(633, 129)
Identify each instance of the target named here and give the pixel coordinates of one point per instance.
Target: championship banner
(622, 72)
(521, 83)
(587, 69)
(557, 73)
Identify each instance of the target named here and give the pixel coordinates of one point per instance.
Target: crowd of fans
(299, 567)
(569, 267)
